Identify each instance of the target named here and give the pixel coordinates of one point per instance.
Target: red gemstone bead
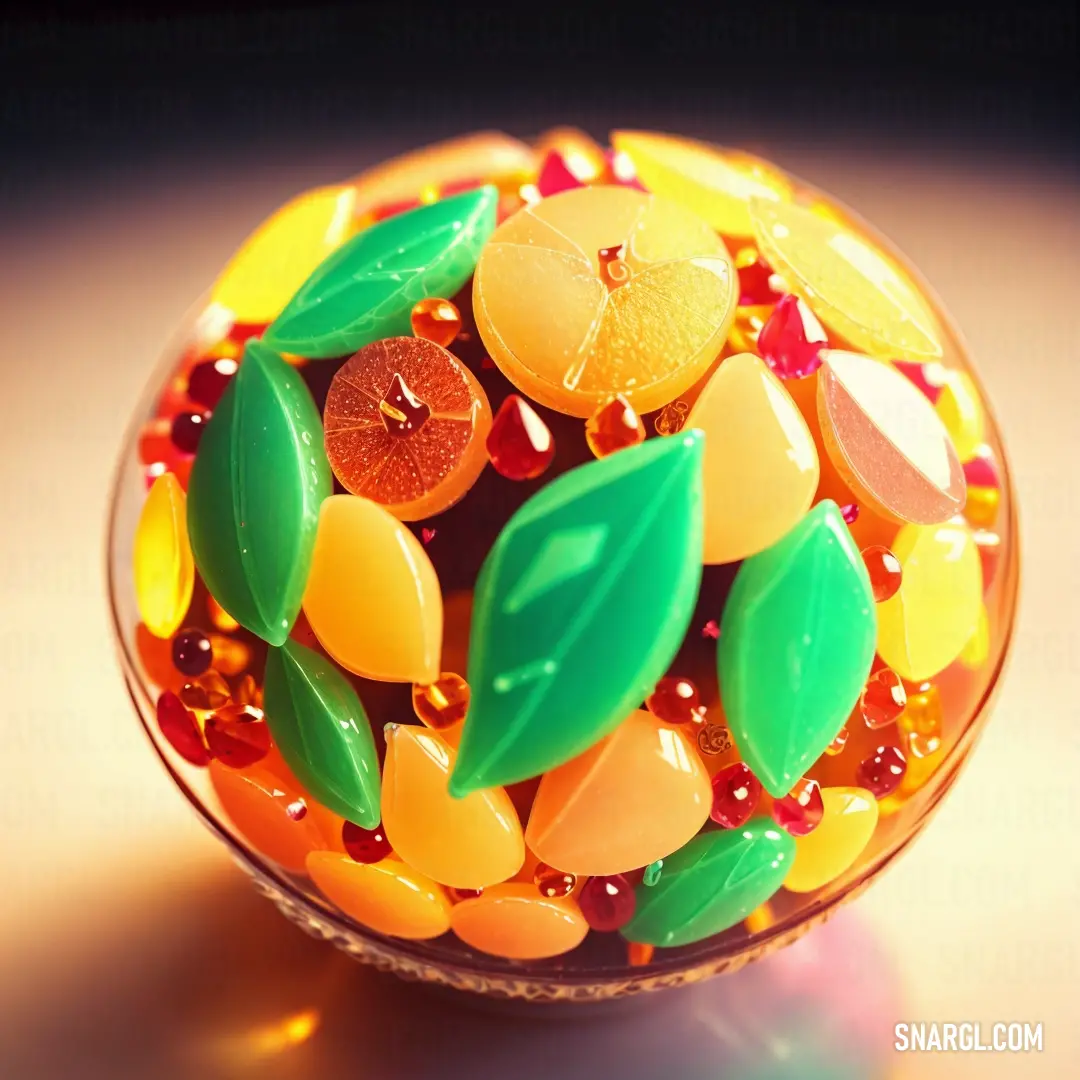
(928, 378)
(676, 701)
(850, 512)
(187, 429)
(519, 444)
(754, 287)
(191, 652)
(296, 810)
(736, 791)
(555, 176)
(801, 810)
(791, 340)
(365, 845)
(882, 771)
(711, 630)
(607, 903)
(238, 736)
(427, 535)
(208, 380)
(883, 698)
(179, 727)
(981, 472)
(883, 567)
(553, 883)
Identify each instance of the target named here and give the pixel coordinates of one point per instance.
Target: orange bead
(883, 698)
(435, 319)
(638, 955)
(220, 617)
(443, 703)
(883, 568)
(231, 656)
(205, 692)
(921, 722)
(248, 692)
(614, 426)
(257, 800)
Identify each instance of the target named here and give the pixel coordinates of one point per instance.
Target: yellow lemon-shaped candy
(515, 921)
(163, 564)
(387, 896)
(848, 822)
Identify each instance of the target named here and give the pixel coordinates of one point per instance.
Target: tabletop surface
(131, 947)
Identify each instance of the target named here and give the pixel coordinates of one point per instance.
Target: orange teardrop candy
(469, 843)
(634, 797)
(257, 800)
(372, 597)
(516, 922)
(387, 896)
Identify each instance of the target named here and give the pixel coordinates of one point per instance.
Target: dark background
(106, 86)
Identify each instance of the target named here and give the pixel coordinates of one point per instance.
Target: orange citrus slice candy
(405, 426)
(601, 291)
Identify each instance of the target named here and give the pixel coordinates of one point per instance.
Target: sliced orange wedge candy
(406, 425)
(601, 291)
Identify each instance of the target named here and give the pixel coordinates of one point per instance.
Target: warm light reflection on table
(131, 947)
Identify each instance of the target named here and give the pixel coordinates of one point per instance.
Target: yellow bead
(849, 820)
(516, 922)
(925, 626)
(372, 597)
(760, 466)
(849, 284)
(962, 414)
(387, 896)
(468, 843)
(163, 564)
(280, 255)
(634, 797)
(976, 651)
(714, 183)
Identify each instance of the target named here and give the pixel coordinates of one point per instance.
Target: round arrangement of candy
(559, 570)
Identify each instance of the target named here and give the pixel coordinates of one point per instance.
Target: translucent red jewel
(801, 810)
(607, 903)
(238, 736)
(754, 286)
(883, 568)
(736, 792)
(520, 444)
(883, 698)
(555, 176)
(209, 380)
(850, 512)
(676, 701)
(711, 629)
(191, 652)
(187, 429)
(365, 845)
(180, 729)
(553, 883)
(882, 771)
(791, 340)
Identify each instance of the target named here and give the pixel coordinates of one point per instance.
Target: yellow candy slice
(634, 797)
(924, 627)
(761, 464)
(849, 820)
(601, 291)
(276, 259)
(488, 157)
(962, 414)
(469, 843)
(162, 560)
(851, 286)
(516, 922)
(716, 184)
(387, 896)
(372, 597)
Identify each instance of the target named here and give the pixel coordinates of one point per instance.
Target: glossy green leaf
(579, 608)
(322, 732)
(253, 499)
(366, 289)
(797, 640)
(712, 883)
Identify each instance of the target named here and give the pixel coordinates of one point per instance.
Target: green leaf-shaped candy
(712, 883)
(253, 499)
(579, 608)
(322, 731)
(797, 640)
(366, 289)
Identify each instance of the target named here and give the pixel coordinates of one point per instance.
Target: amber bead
(187, 429)
(442, 703)
(191, 652)
(220, 617)
(435, 319)
(607, 903)
(921, 721)
(238, 736)
(231, 655)
(551, 882)
(364, 845)
(248, 692)
(883, 698)
(205, 692)
(676, 701)
(670, 419)
(613, 426)
(883, 568)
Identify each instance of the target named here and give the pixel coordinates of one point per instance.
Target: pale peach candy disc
(886, 441)
(405, 425)
(601, 291)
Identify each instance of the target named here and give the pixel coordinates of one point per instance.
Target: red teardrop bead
(555, 176)
(365, 845)
(754, 287)
(238, 736)
(520, 444)
(791, 340)
(801, 810)
(208, 381)
(883, 698)
(736, 792)
(882, 771)
(179, 727)
(607, 903)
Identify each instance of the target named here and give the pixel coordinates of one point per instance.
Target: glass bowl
(602, 967)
